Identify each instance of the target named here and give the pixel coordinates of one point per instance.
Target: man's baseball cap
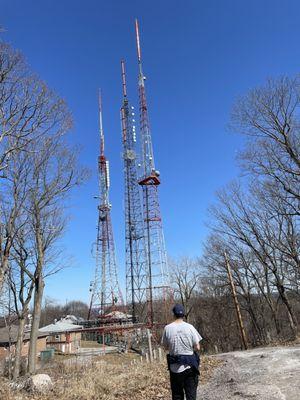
(178, 310)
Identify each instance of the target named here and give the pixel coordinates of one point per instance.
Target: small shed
(63, 336)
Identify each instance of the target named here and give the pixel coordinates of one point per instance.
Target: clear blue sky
(198, 57)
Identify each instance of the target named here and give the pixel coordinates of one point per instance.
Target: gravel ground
(260, 374)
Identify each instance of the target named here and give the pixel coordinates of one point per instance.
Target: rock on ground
(259, 374)
(39, 383)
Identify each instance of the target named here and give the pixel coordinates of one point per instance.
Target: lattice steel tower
(149, 181)
(137, 277)
(106, 293)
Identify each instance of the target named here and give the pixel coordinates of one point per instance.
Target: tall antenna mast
(106, 293)
(158, 277)
(136, 266)
(147, 150)
(101, 124)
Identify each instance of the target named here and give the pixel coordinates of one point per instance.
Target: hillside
(110, 377)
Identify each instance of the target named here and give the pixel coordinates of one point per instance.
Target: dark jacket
(192, 360)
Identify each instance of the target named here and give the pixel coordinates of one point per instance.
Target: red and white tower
(149, 180)
(105, 289)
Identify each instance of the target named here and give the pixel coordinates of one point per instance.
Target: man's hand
(197, 347)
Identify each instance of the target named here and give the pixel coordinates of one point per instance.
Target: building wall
(41, 345)
(25, 348)
(3, 352)
(65, 342)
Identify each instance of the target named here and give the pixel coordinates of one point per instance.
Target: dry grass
(107, 378)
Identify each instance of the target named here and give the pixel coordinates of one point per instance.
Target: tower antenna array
(158, 279)
(136, 266)
(105, 290)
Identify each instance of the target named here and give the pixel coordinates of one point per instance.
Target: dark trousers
(184, 383)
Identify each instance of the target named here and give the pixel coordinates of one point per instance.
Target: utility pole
(236, 302)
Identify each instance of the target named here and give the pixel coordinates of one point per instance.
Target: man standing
(182, 341)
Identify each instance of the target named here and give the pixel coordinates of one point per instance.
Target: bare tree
(52, 310)
(269, 116)
(77, 308)
(185, 276)
(28, 109)
(257, 219)
(28, 112)
(54, 173)
(39, 170)
(250, 280)
(245, 218)
(38, 181)
(14, 192)
(21, 282)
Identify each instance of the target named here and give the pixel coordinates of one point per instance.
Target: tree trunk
(2, 274)
(273, 309)
(275, 320)
(257, 331)
(290, 312)
(37, 308)
(19, 344)
(3, 270)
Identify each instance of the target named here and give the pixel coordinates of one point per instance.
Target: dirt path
(259, 374)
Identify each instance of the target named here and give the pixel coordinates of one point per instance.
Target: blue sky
(198, 56)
